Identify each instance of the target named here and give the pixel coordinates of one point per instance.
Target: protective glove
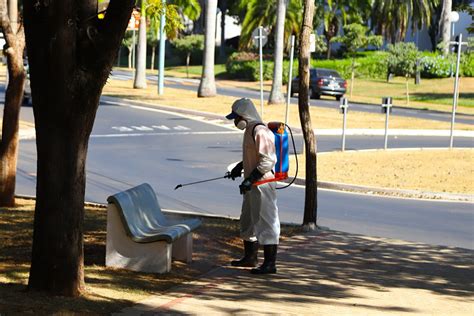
(236, 172)
(246, 185)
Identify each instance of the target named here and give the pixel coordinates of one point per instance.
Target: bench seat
(140, 237)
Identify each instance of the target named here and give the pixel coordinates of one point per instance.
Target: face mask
(240, 123)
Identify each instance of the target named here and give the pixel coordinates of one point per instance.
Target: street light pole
(161, 63)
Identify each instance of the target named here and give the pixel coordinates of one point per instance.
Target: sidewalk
(332, 273)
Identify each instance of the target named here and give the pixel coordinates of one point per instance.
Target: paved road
(131, 145)
(191, 85)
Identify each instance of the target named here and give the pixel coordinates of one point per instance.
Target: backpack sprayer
(283, 162)
(282, 152)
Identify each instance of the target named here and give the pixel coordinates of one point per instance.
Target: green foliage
(246, 66)
(191, 44)
(402, 57)
(467, 65)
(264, 13)
(128, 40)
(436, 65)
(369, 65)
(154, 10)
(320, 44)
(355, 38)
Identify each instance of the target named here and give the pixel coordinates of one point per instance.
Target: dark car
(27, 89)
(322, 82)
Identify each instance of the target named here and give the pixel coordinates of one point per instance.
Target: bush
(467, 65)
(246, 66)
(436, 66)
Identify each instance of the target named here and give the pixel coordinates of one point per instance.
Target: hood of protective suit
(246, 109)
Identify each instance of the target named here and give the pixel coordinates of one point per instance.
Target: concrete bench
(140, 237)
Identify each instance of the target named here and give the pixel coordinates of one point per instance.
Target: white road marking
(142, 128)
(181, 128)
(122, 128)
(162, 127)
(167, 134)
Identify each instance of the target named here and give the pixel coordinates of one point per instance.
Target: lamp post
(161, 64)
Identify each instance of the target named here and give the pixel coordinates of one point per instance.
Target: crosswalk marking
(162, 127)
(142, 128)
(181, 128)
(122, 128)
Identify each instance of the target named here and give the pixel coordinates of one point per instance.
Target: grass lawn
(432, 94)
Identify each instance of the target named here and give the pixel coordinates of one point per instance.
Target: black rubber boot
(250, 255)
(268, 266)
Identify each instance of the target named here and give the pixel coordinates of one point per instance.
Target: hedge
(245, 66)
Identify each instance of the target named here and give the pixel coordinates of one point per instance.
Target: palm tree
(207, 86)
(276, 96)
(264, 13)
(153, 9)
(391, 18)
(140, 71)
(445, 26)
(341, 12)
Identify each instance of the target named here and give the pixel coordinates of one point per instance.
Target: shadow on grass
(465, 99)
(107, 289)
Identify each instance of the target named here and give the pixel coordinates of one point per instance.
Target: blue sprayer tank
(281, 147)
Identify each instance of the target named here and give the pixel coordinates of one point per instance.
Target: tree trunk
(406, 86)
(13, 100)
(207, 86)
(311, 202)
(188, 58)
(140, 71)
(352, 75)
(130, 58)
(276, 94)
(119, 55)
(153, 54)
(329, 46)
(445, 26)
(69, 65)
(223, 9)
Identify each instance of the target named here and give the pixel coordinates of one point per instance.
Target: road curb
(391, 192)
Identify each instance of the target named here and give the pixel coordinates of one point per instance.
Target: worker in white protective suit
(259, 222)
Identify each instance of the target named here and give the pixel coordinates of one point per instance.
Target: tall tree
(257, 13)
(14, 35)
(140, 70)
(335, 13)
(445, 25)
(391, 18)
(152, 10)
(222, 4)
(276, 95)
(71, 53)
(311, 189)
(207, 86)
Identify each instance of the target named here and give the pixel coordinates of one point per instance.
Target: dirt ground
(216, 242)
(432, 170)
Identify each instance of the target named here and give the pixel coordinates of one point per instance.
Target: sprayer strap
(253, 130)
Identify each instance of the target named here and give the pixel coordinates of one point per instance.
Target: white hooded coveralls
(259, 216)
